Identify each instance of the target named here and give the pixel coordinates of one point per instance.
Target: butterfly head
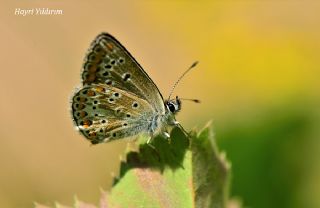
(173, 106)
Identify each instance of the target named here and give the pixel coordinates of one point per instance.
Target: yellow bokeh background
(257, 60)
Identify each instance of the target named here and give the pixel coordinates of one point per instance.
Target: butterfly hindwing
(103, 113)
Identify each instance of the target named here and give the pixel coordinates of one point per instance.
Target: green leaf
(210, 171)
(174, 173)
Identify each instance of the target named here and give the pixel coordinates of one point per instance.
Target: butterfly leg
(151, 137)
(150, 140)
(150, 144)
(166, 135)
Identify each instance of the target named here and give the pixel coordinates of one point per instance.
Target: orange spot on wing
(91, 93)
(83, 114)
(110, 46)
(92, 134)
(91, 77)
(86, 123)
(92, 69)
(80, 106)
(100, 89)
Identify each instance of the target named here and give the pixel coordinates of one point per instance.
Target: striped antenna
(175, 84)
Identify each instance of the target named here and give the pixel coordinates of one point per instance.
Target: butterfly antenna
(175, 84)
(193, 100)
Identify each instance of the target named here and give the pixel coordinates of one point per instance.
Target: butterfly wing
(103, 113)
(108, 62)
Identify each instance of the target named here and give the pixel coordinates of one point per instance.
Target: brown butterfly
(118, 99)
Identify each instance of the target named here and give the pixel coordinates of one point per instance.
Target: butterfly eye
(171, 107)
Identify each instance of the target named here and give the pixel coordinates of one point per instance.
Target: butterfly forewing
(108, 62)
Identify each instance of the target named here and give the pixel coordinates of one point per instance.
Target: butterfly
(117, 98)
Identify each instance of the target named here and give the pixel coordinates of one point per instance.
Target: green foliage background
(273, 154)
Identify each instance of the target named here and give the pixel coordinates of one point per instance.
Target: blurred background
(257, 79)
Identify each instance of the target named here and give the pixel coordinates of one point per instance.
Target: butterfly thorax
(160, 121)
